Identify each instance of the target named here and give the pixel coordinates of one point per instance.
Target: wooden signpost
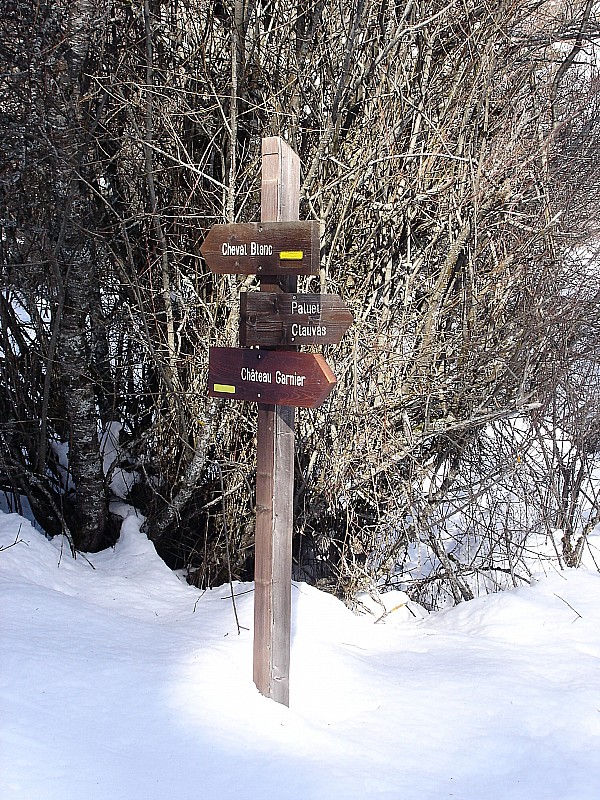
(278, 249)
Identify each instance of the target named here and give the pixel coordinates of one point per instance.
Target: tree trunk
(89, 511)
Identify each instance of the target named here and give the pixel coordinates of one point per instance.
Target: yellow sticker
(224, 387)
(291, 255)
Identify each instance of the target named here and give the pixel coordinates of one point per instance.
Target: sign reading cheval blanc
(269, 319)
(285, 378)
(263, 248)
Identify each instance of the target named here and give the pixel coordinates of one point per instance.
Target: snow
(120, 681)
(121, 481)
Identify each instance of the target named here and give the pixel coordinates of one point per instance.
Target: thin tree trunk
(90, 512)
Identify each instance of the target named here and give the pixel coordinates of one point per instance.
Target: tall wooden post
(280, 197)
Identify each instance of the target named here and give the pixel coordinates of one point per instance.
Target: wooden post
(280, 198)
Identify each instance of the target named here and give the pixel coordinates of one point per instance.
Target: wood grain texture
(270, 319)
(281, 377)
(259, 248)
(280, 202)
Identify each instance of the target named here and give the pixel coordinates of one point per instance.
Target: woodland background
(449, 150)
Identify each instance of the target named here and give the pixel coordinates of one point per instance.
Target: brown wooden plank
(275, 377)
(263, 551)
(263, 248)
(280, 201)
(269, 319)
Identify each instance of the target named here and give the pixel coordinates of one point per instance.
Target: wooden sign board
(263, 248)
(269, 319)
(284, 378)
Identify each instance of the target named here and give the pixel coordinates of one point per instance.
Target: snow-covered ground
(120, 682)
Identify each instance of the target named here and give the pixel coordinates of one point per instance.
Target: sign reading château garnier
(263, 248)
(269, 319)
(284, 378)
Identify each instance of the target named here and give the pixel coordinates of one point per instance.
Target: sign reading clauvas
(312, 309)
(270, 319)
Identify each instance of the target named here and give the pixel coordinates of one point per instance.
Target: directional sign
(284, 378)
(263, 248)
(268, 319)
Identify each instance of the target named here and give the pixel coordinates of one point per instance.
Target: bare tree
(447, 149)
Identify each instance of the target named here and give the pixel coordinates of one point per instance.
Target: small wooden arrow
(283, 378)
(268, 319)
(263, 248)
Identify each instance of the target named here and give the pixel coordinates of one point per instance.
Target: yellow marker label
(223, 387)
(291, 255)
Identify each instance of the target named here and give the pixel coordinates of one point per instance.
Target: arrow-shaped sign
(268, 319)
(263, 248)
(284, 378)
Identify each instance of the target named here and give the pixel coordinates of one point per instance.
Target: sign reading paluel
(302, 380)
(269, 319)
(263, 248)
